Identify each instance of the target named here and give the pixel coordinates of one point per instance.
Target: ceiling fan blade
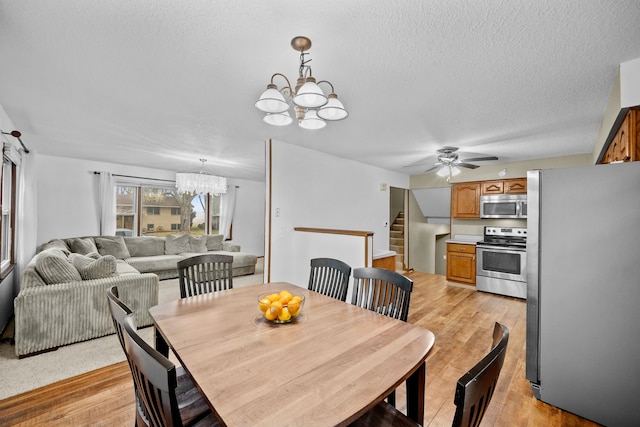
(432, 168)
(480, 159)
(417, 164)
(467, 165)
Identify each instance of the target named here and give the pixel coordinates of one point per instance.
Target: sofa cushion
(122, 268)
(82, 245)
(54, 267)
(176, 244)
(112, 245)
(198, 244)
(92, 268)
(151, 264)
(214, 242)
(55, 243)
(144, 246)
(240, 259)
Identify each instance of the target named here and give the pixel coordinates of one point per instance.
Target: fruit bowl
(280, 306)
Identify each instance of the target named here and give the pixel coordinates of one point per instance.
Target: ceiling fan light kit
(311, 106)
(448, 162)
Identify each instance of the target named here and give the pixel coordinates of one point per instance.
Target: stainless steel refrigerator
(583, 291)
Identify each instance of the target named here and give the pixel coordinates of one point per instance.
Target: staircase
(396, 240)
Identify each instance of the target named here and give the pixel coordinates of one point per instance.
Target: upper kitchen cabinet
(465, 200)
(504, 186)
(625, 144)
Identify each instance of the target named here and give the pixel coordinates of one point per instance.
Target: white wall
(313, 189)
(68, 200)
(630, 83)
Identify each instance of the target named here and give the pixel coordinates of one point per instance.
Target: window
(214, 219)
(158, 211)
(153, 211)
(8, 210)
(126, 209)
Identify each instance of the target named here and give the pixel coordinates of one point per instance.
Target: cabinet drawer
(461, 247)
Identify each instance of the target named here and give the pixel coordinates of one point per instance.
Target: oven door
(501, 263)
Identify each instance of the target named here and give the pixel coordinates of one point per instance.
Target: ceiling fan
(449, 160)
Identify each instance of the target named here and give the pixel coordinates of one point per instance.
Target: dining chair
(204, 274)
(160, 401)
(119, 312)
(385, 292)
(329, 277)
(474, 391)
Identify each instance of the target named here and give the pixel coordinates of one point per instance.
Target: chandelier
(200, 182)
(312, 108)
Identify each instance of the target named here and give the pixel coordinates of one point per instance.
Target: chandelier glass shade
(200, 182)
(311, 106)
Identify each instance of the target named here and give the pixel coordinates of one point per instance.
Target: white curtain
(107, 195)
(26, 211)
(227, 208)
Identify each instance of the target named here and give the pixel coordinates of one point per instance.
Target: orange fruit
(296, 298)
(285, 294)
(284, 315)
(294, 307)
(264, 304)
(273, 297)
(276, 307)
(270, 315)
(284, 301)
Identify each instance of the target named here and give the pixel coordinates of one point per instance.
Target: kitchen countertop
(466, 239)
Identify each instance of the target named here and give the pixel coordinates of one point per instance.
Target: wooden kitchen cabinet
(492, 187)
(505, 186)
(625, 144)
(465, 200)
(461, 263)
(515, 186)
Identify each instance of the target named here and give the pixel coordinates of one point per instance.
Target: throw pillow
(198, 244)
(176, 244)
(108, 245)
(82, 245)
(54, 267)
(214, 242)
(91, 268)
(144, 246)
(55, 243)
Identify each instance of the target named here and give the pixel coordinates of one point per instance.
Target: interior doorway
(398, 231)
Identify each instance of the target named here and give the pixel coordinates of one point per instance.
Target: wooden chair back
(329, 277)
(205, 273)
(475, 388)
(155, 380)
(383, 291)
(119, 311)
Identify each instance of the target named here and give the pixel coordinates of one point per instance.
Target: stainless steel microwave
(503, 206)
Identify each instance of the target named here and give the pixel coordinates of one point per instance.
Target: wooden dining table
(329, 366)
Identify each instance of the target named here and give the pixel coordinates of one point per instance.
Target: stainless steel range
(501, 261)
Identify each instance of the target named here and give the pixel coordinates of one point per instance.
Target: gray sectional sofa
(62, 296)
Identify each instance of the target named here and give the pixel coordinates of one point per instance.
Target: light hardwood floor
(461, 318)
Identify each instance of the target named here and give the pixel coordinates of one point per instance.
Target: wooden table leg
(415, 394)
(161, 345)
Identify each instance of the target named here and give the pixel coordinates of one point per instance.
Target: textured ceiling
(163, 83)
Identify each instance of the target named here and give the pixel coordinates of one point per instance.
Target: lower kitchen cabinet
(461, 263)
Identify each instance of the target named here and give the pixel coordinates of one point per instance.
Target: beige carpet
(21, 375)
